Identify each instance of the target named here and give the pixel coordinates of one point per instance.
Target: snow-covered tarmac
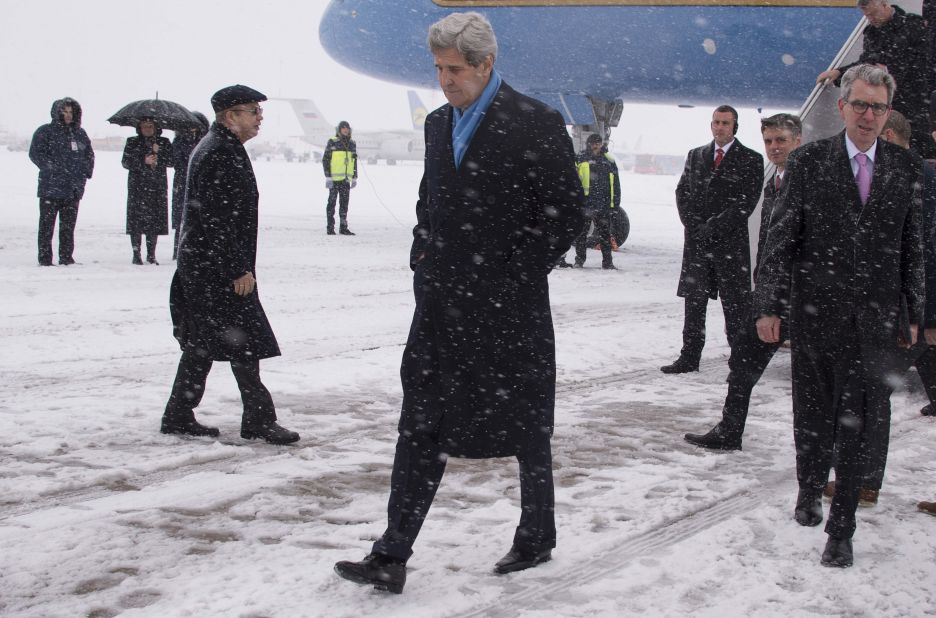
(101, 515)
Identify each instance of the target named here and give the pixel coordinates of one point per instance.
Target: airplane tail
(311, 120)
(418, 110)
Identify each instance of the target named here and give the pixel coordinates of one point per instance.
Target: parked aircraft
(391, 146)
(418, 110)
(587, 59)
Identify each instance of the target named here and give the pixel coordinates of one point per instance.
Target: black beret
(235, 95)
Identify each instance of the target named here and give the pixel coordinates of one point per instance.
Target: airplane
(392, 146)
(586, 58)
(418, 110)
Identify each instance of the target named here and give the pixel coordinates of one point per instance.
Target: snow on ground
(101, 515)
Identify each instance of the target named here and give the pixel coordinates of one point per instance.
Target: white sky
(107, 53)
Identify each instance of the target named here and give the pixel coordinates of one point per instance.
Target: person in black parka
(62, 152)
(182, 147)
(214, 302)
(499, 202)
(147, 156)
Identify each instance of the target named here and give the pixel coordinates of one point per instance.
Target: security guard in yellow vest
(602, 185)
(340, 164)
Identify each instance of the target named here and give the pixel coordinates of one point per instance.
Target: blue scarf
(465, 123)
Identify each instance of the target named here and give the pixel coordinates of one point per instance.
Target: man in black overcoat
(62, 152)
(844, 255)
(716, 194)
(214, 302)
(499, 202)
(782, 134)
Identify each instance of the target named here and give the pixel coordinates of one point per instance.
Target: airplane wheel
(620, 227)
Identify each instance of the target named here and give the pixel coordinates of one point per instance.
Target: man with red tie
(716, 194)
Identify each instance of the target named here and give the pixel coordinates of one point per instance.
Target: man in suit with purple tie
(844, 257)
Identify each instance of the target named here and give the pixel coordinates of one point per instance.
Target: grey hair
(470, 34)
(871, 75)
(863, 3)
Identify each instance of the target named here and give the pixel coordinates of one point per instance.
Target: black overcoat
(479, 366)
(182, 147)
(714, 206)
(147, 187)
(217, 245)
(836, 263)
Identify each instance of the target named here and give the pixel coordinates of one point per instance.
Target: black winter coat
(63, 155)
(714, 206)
(217, 245)
(837, 265)
(182, 147)
(902, 44)
(479, 366)
(147, 187)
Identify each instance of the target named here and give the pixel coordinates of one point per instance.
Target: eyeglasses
(860, 107)
(252, 110)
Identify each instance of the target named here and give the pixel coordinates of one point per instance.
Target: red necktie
(719, 155)
(776, 182)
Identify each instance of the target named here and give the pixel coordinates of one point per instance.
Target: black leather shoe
(928, 410)
(330, 231)
(137, 260)
(150, 259)
(383, 572)
(66, 261)
(608, 267)
(346, 232)
(681, 365)
(188, 427)
(714, 439)
(272, 433)
(838, 553)
(518, 559)
(808, 510)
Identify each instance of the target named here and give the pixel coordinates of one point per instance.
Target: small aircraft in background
(391, 146)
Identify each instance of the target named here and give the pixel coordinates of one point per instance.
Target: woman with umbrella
(147, 156)
(182, 146)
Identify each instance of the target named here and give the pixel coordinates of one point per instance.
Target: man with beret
(215, 306)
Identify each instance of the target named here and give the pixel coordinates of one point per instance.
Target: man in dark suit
(214, 301)
(749, 355)
(716, 194)
(844, 256)
(499, 202)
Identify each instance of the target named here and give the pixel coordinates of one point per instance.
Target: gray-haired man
(500, 201)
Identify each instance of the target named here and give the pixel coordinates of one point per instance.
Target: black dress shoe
(838, 553)
(681, 365)
(346, 232)
(66, 261)
(272, 433)
(519, 559)
(714, 439)
(383, 572)
(137, 260)
(808, 510)
(150, 259)
(189, 427)
(928, 410)
(330, 231)
(608, 267)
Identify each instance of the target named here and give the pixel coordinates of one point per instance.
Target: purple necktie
(863, 177)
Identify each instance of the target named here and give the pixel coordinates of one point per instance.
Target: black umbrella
(167, 114)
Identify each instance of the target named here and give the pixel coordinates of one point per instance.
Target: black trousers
(136, 241)
(67, 213)
(189, 387)
(735, 308)
(602, 221)
(340, 192)
(838, 387)
(749, 358)
(417, 471)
